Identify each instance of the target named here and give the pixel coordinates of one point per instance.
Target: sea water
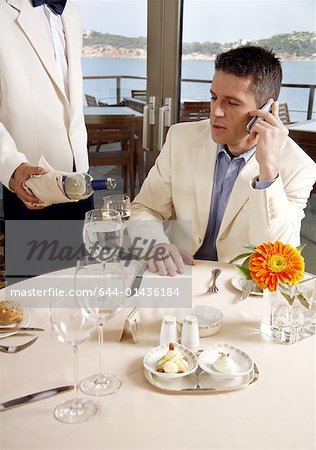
(297, 72)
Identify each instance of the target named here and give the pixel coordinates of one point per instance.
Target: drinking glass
(104, 290)
(103, 233)
(118, 202)
(73, 323)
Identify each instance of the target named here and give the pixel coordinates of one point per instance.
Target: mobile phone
(256, 119)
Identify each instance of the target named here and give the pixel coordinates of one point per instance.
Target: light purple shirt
(226, 172)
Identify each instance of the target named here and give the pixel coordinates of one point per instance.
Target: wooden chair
(193, 111)
(284, 114)
(138, 93)
(137, 104)
(92, 101)
(114, 128)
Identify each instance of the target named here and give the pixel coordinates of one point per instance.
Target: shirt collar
(221, 148)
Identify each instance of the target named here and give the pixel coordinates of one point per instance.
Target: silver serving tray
(201, 381)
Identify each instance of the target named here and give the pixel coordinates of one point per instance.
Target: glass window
(114, 47)
(288, 27)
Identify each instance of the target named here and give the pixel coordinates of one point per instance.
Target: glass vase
(285, 322)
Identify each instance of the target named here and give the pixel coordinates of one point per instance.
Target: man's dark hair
(259, 64)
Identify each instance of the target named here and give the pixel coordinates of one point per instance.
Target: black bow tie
(55, 5)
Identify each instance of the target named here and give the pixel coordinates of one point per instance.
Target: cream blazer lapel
(73, 36)
(37, 35)
(204, 160)
(240, 193)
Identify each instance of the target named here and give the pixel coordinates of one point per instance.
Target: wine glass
(73, 323)
(118, 202)
(104, 290)
(102, 233)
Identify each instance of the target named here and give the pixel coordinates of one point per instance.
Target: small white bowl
(243, 362)
(151, 359)
(209, 319)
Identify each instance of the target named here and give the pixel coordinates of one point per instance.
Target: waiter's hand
(21, 174)
(271, 135)
(167, 259)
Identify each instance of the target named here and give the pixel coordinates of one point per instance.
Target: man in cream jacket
(236, 187)
(40, 102)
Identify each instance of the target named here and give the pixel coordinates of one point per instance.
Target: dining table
(109, 110)
(304, 133)
(275, 412)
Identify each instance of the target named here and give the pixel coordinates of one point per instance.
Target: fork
(17, 348)
(213, 288)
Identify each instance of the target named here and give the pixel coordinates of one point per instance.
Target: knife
(9, 329)
(41, 395)
(138, 279)
(246, 290)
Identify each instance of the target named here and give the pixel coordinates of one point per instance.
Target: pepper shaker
(190, 333)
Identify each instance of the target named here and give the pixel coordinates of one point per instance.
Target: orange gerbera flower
(274, 263)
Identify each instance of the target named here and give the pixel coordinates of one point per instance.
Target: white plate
(202, 382)
(151, 359)
(238, 282)
(25, 322)
(244, 364)
(209, 318)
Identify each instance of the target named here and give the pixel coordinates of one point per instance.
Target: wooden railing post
(118, 90)
(310, 102)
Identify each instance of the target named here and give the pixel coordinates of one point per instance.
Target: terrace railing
(118, 79)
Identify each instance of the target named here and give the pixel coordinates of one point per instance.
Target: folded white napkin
(48, 187)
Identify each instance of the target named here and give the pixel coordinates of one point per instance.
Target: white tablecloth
(277, 412)
(308, 125)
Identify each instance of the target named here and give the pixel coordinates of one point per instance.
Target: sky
(205, 20)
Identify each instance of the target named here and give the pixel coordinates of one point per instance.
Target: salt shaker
(190, 333)
(168, 331)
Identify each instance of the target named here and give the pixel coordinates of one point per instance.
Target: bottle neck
(99, 184)
(63, 181)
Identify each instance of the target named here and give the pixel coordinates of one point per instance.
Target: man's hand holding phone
(271, 134)
(266, 107)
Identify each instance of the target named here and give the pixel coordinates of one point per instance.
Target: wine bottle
(78, 186)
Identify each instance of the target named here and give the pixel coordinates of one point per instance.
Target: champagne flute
(103, 287)
(102, 233)
(73, 323)
(118, 202)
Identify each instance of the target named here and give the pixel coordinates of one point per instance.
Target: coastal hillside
(291, 46)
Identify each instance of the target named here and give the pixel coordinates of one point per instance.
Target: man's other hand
(167, 259)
